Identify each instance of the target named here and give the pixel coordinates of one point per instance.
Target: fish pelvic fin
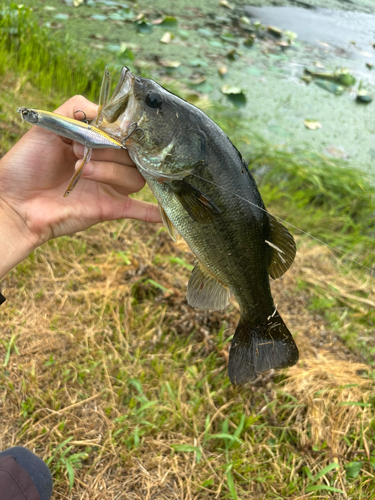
(205, 291)
(258, 348)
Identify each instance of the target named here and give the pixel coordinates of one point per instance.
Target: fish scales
(207, 194)
(237, 257)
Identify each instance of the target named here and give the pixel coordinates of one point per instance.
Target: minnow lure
(79, 131)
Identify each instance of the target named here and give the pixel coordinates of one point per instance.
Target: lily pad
(197, 63)
(203, 87)
(169, 22)
(116, 16)
(312, 124)
(330, 86)
(346, 79)
(363, 96)
(229, 37)
(216, 43)
(252, 70)
(235, 94)
(206, 32)
(232, 55)
(184, 34)
(62, 16)
(143, 26)
(249, 41)
(121, 50)
(99, 17)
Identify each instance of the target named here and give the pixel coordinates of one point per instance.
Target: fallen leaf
(198, 80)
(283, 43)
(312, 124)
(167, 37)
(222, 71)
(169, 64)
(275, 31)
(225, 3)
(49, 7)
(230, 89)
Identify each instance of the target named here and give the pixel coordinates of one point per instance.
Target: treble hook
(84, 114)
(133, 127)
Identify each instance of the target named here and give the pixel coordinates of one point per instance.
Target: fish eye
(154, 100)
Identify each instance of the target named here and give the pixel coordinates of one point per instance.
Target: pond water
(346, 33)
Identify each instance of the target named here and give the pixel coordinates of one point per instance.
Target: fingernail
(78, 149)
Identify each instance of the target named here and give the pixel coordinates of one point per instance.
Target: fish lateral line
(285, 222)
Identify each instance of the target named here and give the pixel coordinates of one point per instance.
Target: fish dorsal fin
(283, 248)
(198, 205)
(205, 291)
(167, 223)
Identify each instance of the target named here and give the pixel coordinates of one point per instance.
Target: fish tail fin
(257, 348)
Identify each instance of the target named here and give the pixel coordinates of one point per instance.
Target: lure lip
(28, 114)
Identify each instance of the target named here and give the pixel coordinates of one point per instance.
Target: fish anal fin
(283, 248)
(205, 291)
(258, 348)
(199, 206)
(167, 223)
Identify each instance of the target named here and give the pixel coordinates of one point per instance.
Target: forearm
(15, 243)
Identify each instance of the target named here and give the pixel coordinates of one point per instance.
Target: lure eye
(154, 100)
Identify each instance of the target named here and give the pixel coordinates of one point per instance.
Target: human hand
(34, 175)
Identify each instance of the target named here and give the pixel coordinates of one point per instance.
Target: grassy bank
(109, 375)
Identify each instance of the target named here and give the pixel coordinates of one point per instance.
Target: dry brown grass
(125, 369)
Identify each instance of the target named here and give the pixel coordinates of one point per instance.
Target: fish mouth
(120, 113)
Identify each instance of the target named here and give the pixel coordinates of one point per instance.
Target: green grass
(123, 390)
(48, 64)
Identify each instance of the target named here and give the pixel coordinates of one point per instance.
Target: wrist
(16, 242)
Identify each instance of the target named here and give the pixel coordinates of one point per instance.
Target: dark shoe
(24, 476)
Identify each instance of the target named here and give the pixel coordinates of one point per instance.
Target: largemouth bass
(207, 194)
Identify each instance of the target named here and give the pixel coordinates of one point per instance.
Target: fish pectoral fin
(260, 347)
(205, 291)
(197, 204)
(172, 231)
(283, 249)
